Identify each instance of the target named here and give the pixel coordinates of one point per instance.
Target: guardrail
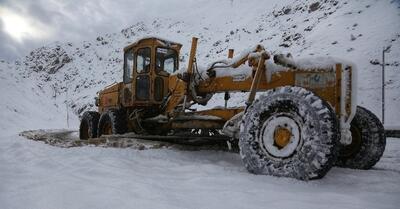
(392, 133)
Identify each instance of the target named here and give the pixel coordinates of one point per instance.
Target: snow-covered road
(36, 175)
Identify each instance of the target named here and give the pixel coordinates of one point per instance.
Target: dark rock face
(284, 11)
(314, 6)
(134, 29)
(47, 59)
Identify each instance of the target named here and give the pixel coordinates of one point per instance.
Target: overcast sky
(28, 24)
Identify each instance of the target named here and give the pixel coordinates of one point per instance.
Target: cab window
(166, 60)
(143, 60)
(128, 66)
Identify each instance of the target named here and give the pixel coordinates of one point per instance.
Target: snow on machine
(305, 120)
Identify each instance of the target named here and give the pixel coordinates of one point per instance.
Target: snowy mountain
(42, 84)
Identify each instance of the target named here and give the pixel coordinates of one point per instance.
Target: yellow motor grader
(300, 117)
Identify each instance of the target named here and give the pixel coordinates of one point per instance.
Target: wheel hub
(280, 136)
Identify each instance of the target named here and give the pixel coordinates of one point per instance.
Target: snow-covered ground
(37, 91)
(36, 175)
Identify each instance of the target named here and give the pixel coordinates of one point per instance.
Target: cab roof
(154, 40)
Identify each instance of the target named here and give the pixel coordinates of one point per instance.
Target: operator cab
(147, 66)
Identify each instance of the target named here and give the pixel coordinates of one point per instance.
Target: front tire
(289, 132)
(112, 121)
(368, 141)
(88, 126)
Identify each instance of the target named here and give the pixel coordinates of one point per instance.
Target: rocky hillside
(65, 73)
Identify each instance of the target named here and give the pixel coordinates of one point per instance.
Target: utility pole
(383, 86)
(385, 50)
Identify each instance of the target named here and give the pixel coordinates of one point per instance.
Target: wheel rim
(280, 136)
(354, 147)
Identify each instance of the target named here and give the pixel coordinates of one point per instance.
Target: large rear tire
(289, 132)
(112, 121)
(88, 126)
(368, 142)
